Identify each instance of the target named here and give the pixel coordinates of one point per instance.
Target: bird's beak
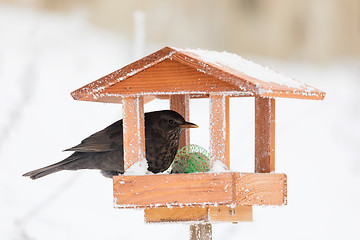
(188, 125)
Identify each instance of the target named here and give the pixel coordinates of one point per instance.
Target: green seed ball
(190, 159)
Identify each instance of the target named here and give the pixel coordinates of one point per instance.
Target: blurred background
(311, 30)
(49, 48)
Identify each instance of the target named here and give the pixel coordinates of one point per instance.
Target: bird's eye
(171, 121)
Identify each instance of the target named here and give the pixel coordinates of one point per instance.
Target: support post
(201, 231)
(180, 103)
(264, 135)
(133, 130)
(219, 129)
(219, 136)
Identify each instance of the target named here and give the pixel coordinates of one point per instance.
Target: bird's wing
(106, 140)
(90, 147)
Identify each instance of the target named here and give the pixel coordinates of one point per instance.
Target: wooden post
(219, 149)
(201, 231)
(219, 129)
(180, 104)
(133, 130)
(264, 135)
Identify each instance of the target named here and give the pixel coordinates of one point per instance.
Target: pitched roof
(195, 72)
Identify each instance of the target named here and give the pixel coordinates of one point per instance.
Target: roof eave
(84, 93)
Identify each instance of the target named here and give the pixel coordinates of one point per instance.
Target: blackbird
(104, 149)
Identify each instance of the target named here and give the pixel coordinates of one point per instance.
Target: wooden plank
(202, 231)
(261, 189)
(192, 96)
(227, 129)
(173, 190)
(264, 135)
(198, 214)
(176, 214)
(148, 99)
(134, 130)
(199, 189)
(141, 127)
(168, 77)
(180, 104)
(314, 94)
(219, 129)
(230, 214)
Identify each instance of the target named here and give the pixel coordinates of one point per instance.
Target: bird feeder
(179, 75)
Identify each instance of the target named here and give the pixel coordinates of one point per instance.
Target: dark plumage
(104, 149)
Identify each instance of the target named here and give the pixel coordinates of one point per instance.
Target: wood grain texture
(176, 68)
(92, 91)
(227, 129)
(230, 214)
(219, 129)
(176, 214)
(264, 135)
(199, 189)
(261, 189)
(169, 77)
(133, 130)
(198, 214)
(201, 231)
(173, 189)
(180, 104)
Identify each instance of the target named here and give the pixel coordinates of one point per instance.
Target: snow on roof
(268, 83)
(247, 67)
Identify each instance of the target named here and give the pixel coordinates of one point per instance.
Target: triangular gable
(178, 71)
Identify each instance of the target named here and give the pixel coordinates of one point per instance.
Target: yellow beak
(189, 125)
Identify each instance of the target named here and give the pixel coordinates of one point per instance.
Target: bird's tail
(41, 172)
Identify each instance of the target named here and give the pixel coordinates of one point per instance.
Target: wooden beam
(202, 231)
(134, 130)
(180, 104)
(168, 77)
(199, 189)
(172, 189)
(219, 129)
(176, 214)
(264, 135)
(230, 214)
(227, 129)
(261, 189)
(198, 214)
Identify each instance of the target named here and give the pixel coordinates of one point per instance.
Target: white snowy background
(43, 57)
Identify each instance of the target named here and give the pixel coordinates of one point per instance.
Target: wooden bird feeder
(179, 75)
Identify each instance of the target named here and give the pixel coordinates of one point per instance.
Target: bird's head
(168, 121)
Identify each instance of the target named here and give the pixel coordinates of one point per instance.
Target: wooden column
(180, 104)
(219, 129)
(264, 135)
(133, 130)
(201, 231)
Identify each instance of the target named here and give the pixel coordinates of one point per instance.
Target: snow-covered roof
(195, 72)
